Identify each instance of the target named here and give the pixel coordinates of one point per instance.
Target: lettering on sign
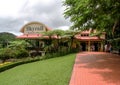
(34, 28)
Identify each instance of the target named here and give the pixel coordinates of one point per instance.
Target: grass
(55, 71)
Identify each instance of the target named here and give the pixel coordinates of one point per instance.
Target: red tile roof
(29, 36)
(87, 38)
(38, 36)
(34, 36)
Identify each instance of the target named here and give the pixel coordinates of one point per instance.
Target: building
(91, 43)
(32, 31)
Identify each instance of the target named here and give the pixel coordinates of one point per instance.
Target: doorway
(96, 46)
(83, 46)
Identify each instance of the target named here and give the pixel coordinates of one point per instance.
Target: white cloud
(64, 27)
(15, 13)
(25, 22)
(10, 8)
(42, 2)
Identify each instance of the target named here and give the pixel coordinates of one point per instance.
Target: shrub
(11, 65)
(18, 44)
(6, 53)
(21, 53)
(51, 55)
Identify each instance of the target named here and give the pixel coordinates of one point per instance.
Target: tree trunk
(114, 26)
(71, 43)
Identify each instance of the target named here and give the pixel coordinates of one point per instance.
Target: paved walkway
(96, 68)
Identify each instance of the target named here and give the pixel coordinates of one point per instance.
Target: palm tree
(49, 45)
(59, 33)
(70, 34)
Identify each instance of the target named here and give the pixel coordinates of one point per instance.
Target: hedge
(11, 65)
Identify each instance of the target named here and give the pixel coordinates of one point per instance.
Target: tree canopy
(5, 38)
(97, 14)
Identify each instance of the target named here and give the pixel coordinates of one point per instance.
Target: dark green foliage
(70, 34)
(6, 53)
(63, 44)
(115, 43)
(14, 64)
(97, 14)
(21, 53)
(48, 33)
(18, 44)
(51, 55)
(15, 50)
(5, 38)
(19, 48)
(58, 32)
(62, 52)
(54, 40)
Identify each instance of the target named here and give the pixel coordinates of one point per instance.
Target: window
(84, 35)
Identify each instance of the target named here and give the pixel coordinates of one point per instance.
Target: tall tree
(59, 33)
(54, 42)
(49, 44)
(70, 34)
(98, 14)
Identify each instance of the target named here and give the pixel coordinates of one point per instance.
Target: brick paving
(96, 68)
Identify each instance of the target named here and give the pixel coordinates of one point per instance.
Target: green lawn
(55, 71)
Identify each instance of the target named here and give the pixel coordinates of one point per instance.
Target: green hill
(6, 37)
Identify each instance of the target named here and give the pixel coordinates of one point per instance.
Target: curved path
(96, 68)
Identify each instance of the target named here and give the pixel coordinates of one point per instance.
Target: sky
(14, 14)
